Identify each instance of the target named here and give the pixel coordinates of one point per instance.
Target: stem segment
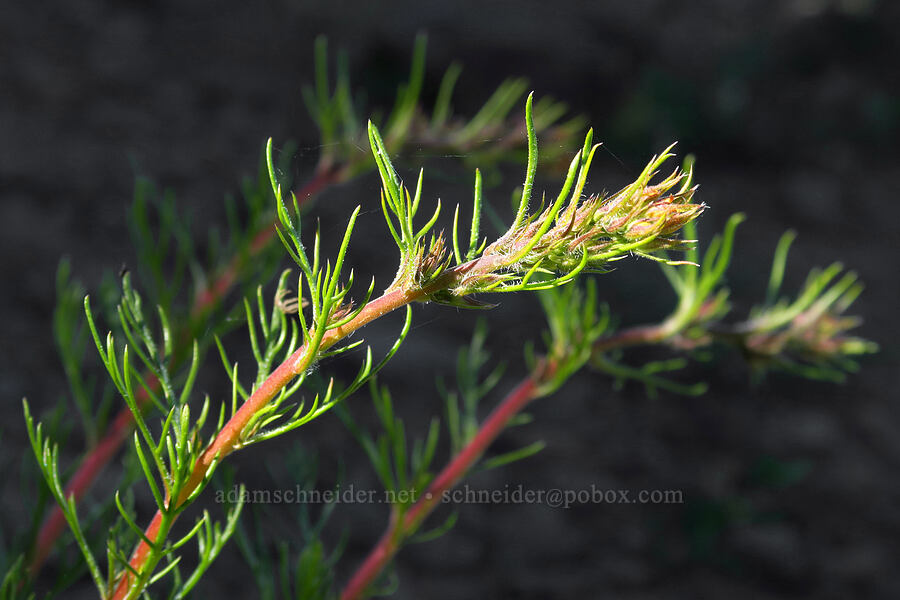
(527, 390)
(230, 435)
(455, 470)
(120, 429)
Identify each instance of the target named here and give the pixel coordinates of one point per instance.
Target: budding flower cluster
(549, 248)
(653, 214)
(820, 337)
(588, 233)
(647, 215)
(809, 334)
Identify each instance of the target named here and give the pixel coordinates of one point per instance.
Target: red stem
(387, 547)
(227, 438)
(633, 336)
(455, 470)
(99, 456)
(230, 434)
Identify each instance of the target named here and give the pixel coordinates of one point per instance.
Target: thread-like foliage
(153, 350)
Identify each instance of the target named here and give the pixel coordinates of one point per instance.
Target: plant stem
(526, 391)
(633, 336)
(231, 433)
(452, 473)
(99, 456)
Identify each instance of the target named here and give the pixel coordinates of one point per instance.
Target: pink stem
(99, 456)
(455, 470)
(230, 434)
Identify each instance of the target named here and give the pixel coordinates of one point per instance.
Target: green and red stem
(122, 425)
(231, 433)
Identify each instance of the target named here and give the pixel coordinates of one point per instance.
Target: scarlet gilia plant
(248, 257)
(181, 441)
(539, 252)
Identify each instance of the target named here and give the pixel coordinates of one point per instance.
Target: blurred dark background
(792, 109)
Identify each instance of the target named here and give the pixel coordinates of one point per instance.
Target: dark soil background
(791, 487)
